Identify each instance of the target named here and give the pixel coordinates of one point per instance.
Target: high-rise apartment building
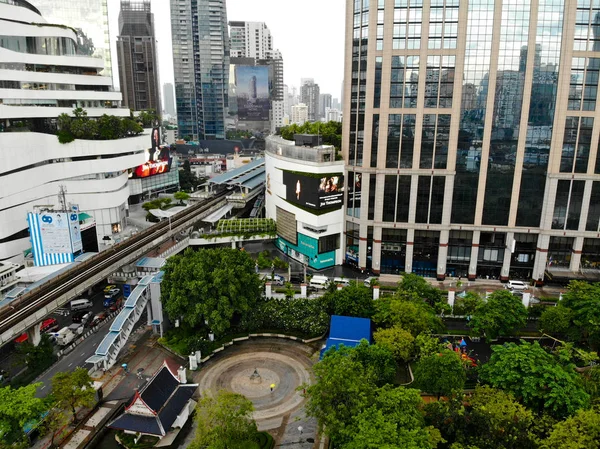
(471, 133)
(136, 53)
(169, 99)
(201, 66)
(42, 78)
(309, 95)
(299, 113)
(90, 20)
(324, 104)
(250, 40)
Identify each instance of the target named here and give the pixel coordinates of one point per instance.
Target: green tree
(217, 285)
(72, 390)
(442, 374)
(397, 340)
(468, 304)
(583, 299)
(555, 320)
(181, 197)
(426, 345)
(354, 300)
(110, 127)
(536, 378)
(394, 420)
(147, 117)
(225, 421)
(501, 314)
(17, 408)
(581, 431)
(39, 357)
(414, 316)
(187, 180)
(55, 420)
(377, 361)
(424, 290)
(130, 127)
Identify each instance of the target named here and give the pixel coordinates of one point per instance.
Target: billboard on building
(322, 191)
(252, 90)
(158, 160)
(55, 237)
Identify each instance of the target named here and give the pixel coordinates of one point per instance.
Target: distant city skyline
(297, 45)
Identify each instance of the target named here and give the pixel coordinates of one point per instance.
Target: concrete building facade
(299, 113)
(466, 153)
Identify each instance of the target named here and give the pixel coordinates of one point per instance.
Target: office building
(333, 115)
(90, 20)
(324, 104)
(466, 153)
(43, 77)
(169, 100)
(299, 113)
(250, 40)
(136, 53)
(201, 65)
(309, 95)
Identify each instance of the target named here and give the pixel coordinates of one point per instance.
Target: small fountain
(255, 377)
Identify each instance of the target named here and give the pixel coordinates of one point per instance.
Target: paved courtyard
(251, 368)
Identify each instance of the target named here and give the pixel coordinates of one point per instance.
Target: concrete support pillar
(474, 256)
(442, 255)
(376, 263)
(575, 264)
(233, 245)
(376, 292)
(410, 242)
(451, 298)
(505, 272)
(362, 247)
(268, 290)
(33, 334)
(149, 312)
(526, 298)
(541, 257)
(303, 288)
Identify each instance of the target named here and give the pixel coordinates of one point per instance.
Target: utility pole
(62, 197)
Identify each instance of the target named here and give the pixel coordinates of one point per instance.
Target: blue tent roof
(348, 331)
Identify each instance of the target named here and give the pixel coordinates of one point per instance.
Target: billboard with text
(158, 160)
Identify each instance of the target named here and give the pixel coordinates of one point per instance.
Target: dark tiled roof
(174, 406)
(159, 389)
(137, 423)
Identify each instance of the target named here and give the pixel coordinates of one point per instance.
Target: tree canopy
(414, 316)
(106, 127)
(331, 132)
(397, 340)
(217, 285)
(73, 389)
(354, 300)
(225, 421)
(536, 378)
(501, 314)
(577, 432)
(442, 374)
(583, 300)
(18, 407)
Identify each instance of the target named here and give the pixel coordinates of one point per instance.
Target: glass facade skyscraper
(472, 136)
(201, 64)
(89, 17)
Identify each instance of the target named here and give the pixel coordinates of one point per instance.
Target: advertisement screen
(158, 161)
(314, 191)
(75, 232)
(55, 232)
(252, 89)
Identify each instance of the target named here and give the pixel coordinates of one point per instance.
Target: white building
(250, 40)
(333, 115)
(299, 113)
(305, 196)
(41, 77)
(278, 111)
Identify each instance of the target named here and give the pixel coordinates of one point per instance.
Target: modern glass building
(89, 18)
(201, 65)
(472, 137)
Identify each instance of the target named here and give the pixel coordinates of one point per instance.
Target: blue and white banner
(50, 235)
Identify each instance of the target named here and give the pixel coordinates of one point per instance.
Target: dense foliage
(107, 127)
(331, 132)
(441, 374)
(17, 407)
(501, 314)
(72, 390)
(354, 300)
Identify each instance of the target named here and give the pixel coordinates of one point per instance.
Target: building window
(567, 207)
(443, 24)
(425, 253)
(560, 250)
(372, 190)
(396, 198)
(352, 242)
(430, 199)
(374, 140)
(591, 254)
(586, 20)
(377, 87)
(593, 218)
(329, 243)
(576, 144)
(434, 141)
(400, 141)
(439, 81)
(408, 15)
(584, 84)
(393, 251)
(404, 81)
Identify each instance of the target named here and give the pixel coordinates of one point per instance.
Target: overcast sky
(309, 34)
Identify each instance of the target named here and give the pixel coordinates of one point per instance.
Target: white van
(79, 304)
(516, 285)
(319, 282)
(344, 282)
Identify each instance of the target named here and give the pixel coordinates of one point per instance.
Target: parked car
(112, 293)
(108, 288)
(98, 318)
(516, 285)
(49, 325)
(277, 280)
(116, 305)
(81, 317)
(368, 280)
(297, 278)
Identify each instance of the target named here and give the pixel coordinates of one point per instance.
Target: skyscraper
(89, 18)
(324, 104)
(309, 95)
(494, 172)
(169, 99)
(201, 66)
(136, 53)
(250, 40)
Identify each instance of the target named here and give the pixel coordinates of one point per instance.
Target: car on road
(98, 318)
(81, 317)
(516, 285)
(49, 325)
(108, 288)
(277, 279)
(116, 305)
(112, 293)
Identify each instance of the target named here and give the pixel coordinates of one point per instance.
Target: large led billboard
(314, 191)
(55, 237)
(252, 90)
(158, 160)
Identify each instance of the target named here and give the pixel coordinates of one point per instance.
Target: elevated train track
(29, 309)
